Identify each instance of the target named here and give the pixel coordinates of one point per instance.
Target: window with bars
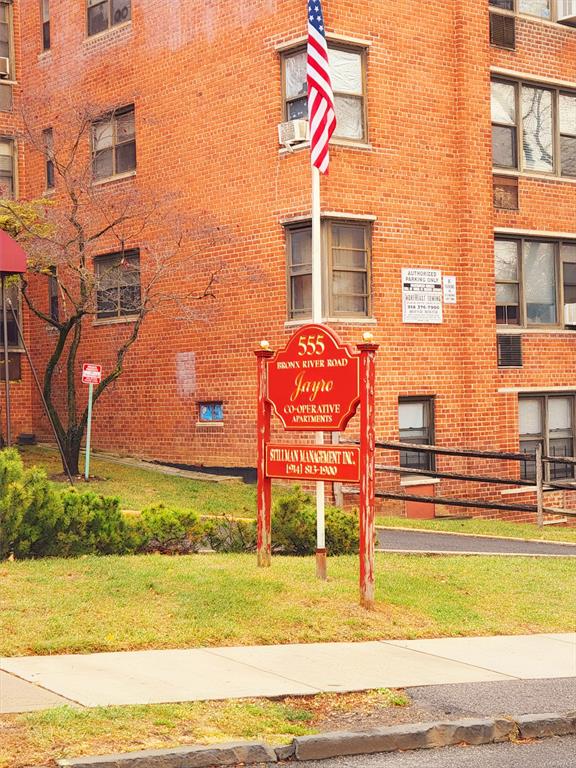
(347, 72)
(563, 11)
(416, 425)
(345, 266)
(533, 128)
(103, 14)
(45, 18)
(535, 282)
(114, 144)
(117, 285)
(548, 421)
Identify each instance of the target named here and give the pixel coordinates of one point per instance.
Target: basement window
(211, 412)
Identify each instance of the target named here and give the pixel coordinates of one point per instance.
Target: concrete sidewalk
(146, 677)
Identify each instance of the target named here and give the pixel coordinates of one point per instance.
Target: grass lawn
(485, 528)
(155, 601)
(139, 488)
(40, 738)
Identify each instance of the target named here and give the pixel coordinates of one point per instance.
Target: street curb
(488, 730)
(474, 535)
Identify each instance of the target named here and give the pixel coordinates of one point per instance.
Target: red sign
(91, 374)
(313, 462)
(314, 382)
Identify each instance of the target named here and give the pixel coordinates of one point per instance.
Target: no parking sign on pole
(91, 374)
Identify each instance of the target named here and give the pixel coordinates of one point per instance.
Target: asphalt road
(393, 540)
(558, 752)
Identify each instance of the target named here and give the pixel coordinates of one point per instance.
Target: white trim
(409, 482)
(529, 17)
(514, 174)
(529, 390)
(515, 75)
(296, 42)
(291, 324)
(534, 233)
(329, 215)
(502, 330)
(210, 424)
(334, 142)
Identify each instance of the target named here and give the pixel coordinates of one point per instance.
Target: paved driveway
(394, 540)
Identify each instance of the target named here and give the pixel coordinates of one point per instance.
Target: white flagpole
(317, 318)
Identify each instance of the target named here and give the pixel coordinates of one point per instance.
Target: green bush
(226, 534)
(294, 526)
(164, 529)
(38, 520)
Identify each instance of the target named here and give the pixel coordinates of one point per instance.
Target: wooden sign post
(316, 384)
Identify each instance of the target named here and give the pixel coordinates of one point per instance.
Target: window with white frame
(347, 71)
(416, 425)
(533, 128)
(114, 144)
(345, 265)
(548, 421)
(103, 14)
(7, 165)
(535, 282)
(551, 10)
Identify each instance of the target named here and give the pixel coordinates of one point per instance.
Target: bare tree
(150, 250)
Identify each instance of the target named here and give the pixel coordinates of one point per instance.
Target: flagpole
(321, 571)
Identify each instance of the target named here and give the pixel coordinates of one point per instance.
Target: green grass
(138, 488)
(485, 528)
(121, 603)
(41, 737)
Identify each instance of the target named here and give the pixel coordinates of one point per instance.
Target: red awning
(12, 256)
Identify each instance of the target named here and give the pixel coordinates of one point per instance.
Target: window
(114, 144)
(550, 10)
(103, 14)
(347, 70)
(211, 412)
(117, 285)
(534, 278)
(416, 425)
(6, 35)
(7, 184)
(12, 302)
(533, 128)
(547, 420)
(53, 295)
(45, 13)
(346, 269)
(48, 138)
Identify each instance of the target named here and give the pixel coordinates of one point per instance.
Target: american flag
(320, 98)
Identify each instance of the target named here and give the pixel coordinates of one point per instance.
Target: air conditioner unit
(293, 132)
(569, 314)
(567, 11)
(4, 67)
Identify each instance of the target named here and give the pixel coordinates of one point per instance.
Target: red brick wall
(205, 81)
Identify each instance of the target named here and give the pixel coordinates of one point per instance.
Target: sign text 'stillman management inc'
(307, 462)
(314, 382)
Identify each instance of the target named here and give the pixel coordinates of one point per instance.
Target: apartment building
(448, 213)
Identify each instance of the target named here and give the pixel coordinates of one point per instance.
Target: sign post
(91, 374)
(315, 384)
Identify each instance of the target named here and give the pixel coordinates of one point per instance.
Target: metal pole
(540, 485)
(88, 433)
(321, 572)
(6, 363)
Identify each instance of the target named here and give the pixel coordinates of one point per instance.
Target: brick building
(455, 156)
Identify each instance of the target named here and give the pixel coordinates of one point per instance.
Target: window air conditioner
(567, 11)
(4, 67)
(569, 314)
(293, 132)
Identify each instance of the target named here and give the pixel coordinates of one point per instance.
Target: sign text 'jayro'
(314, 382)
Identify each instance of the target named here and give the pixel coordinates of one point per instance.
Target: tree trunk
(72, 449)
